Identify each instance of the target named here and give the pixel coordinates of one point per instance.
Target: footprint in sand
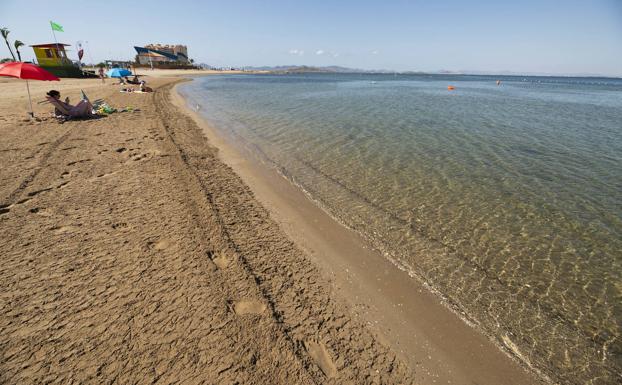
(162, 244)
(78, 162)
(64, 229)
(321, 357)
(104, 175)
(148, 155)
(220, 260)
(158, 245)
(40, 211)
(247, 306)
(137, 156)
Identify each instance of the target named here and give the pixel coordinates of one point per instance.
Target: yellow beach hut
(51, 55)
(53, 58)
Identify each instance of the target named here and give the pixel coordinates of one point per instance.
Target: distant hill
(293, 69)
(306, 69)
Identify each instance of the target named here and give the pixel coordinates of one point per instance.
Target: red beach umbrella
(26, 71)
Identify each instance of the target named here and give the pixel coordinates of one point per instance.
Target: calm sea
(507, 199)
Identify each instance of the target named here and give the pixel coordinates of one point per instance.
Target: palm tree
(5, 35)
(18, 44)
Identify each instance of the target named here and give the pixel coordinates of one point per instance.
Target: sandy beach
(140, 247)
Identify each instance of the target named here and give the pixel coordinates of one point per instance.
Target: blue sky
(526, 36)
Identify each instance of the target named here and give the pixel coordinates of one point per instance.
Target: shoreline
(415, 326)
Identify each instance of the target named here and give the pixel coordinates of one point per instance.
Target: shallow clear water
(506, 199)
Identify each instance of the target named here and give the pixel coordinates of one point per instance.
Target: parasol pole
(32, 114)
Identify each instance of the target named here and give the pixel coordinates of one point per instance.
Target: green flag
(56, 27)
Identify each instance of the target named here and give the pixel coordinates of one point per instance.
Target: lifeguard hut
(51, 55)
(53, 58)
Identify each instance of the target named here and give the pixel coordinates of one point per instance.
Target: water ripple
(505, 199)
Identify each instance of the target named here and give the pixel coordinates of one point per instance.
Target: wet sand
(133, 254)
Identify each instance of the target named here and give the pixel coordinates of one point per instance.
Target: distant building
(162, 54)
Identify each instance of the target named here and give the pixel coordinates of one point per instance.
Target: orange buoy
(451, 88)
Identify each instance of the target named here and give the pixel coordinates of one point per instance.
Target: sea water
(506, 199)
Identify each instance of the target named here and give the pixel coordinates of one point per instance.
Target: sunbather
(84, 109)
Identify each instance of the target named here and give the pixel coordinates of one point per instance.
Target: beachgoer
(134, 80)
(101, 74)
(84, 109)
(144, 88)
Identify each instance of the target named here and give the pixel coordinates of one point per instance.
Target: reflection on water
(507, 199)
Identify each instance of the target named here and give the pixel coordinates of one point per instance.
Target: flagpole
(56, 41)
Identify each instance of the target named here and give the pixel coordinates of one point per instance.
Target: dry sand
(133, 254)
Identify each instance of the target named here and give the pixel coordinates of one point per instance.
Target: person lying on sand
(84, 109)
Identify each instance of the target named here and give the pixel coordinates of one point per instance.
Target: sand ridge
(132, 254)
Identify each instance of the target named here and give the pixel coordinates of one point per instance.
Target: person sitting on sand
(84, 109)
(133, 81)
(144, 88)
